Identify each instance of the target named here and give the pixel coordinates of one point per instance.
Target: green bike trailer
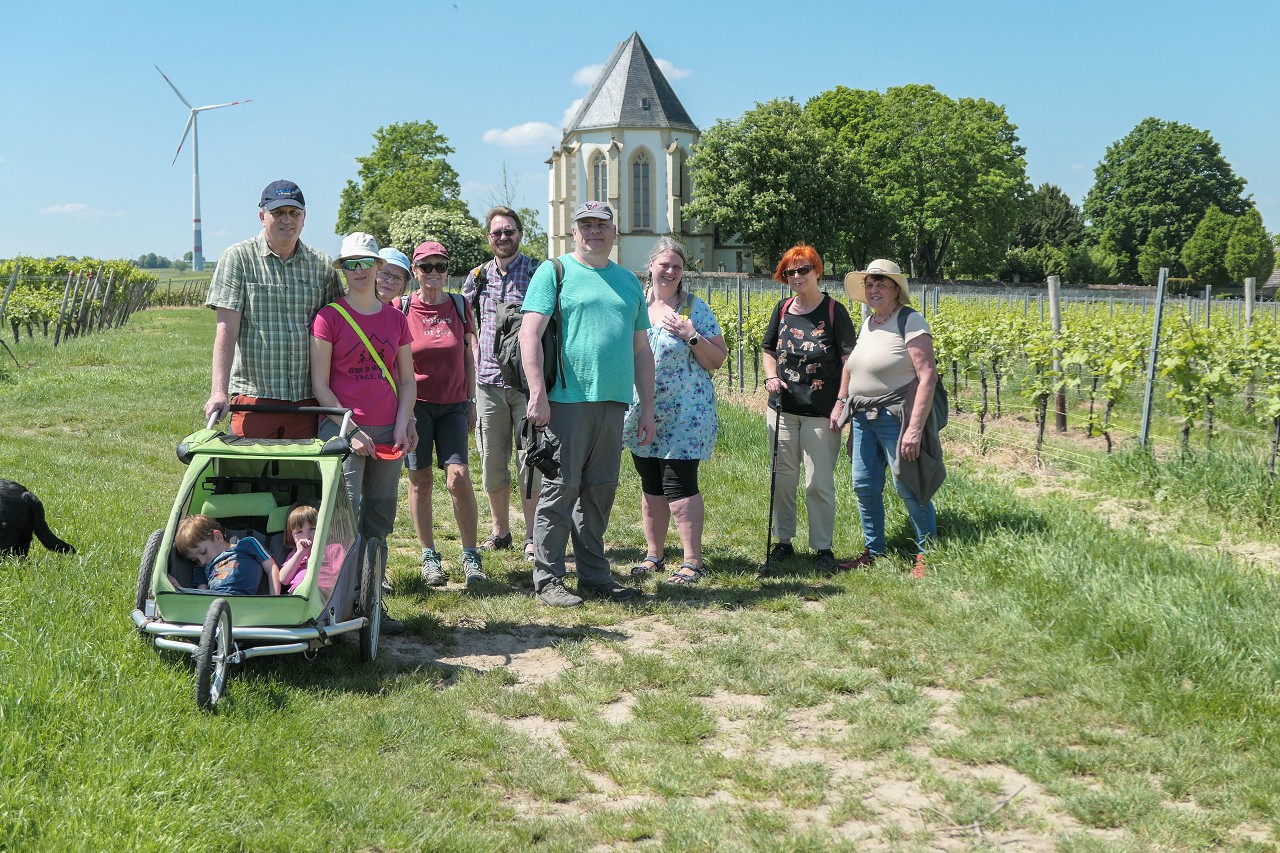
(249, 486)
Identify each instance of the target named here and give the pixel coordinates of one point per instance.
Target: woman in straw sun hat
(887, 387)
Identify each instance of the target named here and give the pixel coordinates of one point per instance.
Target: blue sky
(88, 128)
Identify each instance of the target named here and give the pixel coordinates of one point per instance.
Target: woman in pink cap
(442, 329)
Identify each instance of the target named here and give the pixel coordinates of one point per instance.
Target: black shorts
(674, 479)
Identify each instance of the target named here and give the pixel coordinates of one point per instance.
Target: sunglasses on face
(801, 271)
(505, 232)
(359, 263)
(394, 277)
(443, 266)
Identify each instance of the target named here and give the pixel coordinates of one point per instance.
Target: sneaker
(918, 570)
(432, 568)
(862, 561)
(389, 625)
(528, 551)
(781, 552)
(496, 543)
(472, 568)
(825, 560)
(611, 591)
(553, 594)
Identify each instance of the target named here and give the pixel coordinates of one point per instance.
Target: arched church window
(599, 178)
(641, 209)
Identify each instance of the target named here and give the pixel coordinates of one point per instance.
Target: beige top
(880, 363)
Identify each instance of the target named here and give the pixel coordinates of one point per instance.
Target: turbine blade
(190, 120)
(219, 106)
(173, 87)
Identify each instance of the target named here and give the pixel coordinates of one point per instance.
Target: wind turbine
(197, 252)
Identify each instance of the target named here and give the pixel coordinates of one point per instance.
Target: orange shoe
(917, 571)
(862, 561)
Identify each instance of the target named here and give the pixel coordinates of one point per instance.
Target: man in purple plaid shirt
(500, 407)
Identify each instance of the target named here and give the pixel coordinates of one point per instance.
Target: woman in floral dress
(687, 347)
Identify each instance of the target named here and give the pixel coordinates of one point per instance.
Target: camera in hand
(542, 454)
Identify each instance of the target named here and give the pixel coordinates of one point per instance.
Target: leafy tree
(773, 178)
(1249, 251)
(947, 177)
(406, 169)
(534, 240)
(152, 261)
(1205, 254)
(1157, 252)
(1049, 219)
(458, 230)
(1162, 175)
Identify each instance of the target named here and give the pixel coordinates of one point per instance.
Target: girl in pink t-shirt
(372, 375)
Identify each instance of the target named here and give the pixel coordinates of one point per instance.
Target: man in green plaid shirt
(266, 290)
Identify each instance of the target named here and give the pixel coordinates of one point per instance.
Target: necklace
(880, 321)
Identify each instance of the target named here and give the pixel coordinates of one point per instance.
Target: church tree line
(937, 183)
(940, 184)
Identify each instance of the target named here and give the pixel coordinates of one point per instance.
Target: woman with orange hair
(804, 349)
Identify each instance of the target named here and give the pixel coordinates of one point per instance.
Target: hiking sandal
(680, 578)
(642, 568)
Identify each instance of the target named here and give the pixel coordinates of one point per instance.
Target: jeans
(875, 446)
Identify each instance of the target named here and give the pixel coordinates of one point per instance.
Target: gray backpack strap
(906, 312)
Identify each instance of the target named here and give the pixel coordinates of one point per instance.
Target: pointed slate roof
(631, 91)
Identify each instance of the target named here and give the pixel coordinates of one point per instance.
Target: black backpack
(506, 341)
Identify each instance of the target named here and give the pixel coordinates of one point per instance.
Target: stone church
(628, 145)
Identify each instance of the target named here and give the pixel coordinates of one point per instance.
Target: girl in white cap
(361, 360)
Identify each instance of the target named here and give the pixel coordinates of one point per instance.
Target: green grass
(1124, 688)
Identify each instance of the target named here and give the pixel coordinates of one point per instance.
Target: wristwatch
(693, 342)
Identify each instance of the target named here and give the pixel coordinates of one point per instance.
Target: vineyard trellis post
(1055, 320)
(742, 382)
(1144, 429)
(106, 300)
(1208, 302)
(13, 282)
(1250, 291)
(62, 311)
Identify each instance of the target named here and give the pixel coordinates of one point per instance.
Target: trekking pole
(773, 481)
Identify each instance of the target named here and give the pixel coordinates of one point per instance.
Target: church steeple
(631, 92)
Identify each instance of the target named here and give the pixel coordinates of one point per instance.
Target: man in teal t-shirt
(602, 308)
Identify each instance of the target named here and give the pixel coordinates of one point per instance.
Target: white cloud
(527, 135)
(670, 71)
(75, 209)
(587, 74)
(1, 158)
(1078, 167)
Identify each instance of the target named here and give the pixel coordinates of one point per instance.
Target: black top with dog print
(810, 349)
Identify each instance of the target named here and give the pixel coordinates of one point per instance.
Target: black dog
(21, 517)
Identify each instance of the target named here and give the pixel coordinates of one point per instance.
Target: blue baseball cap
(395, 257)
(282, 194)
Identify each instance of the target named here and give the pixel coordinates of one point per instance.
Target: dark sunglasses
(359, 263)
(505, 232)
(804, 270)
(443, 266)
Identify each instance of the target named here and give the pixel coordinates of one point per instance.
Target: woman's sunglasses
(801, 271)
(359, 263)
(443, 266)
